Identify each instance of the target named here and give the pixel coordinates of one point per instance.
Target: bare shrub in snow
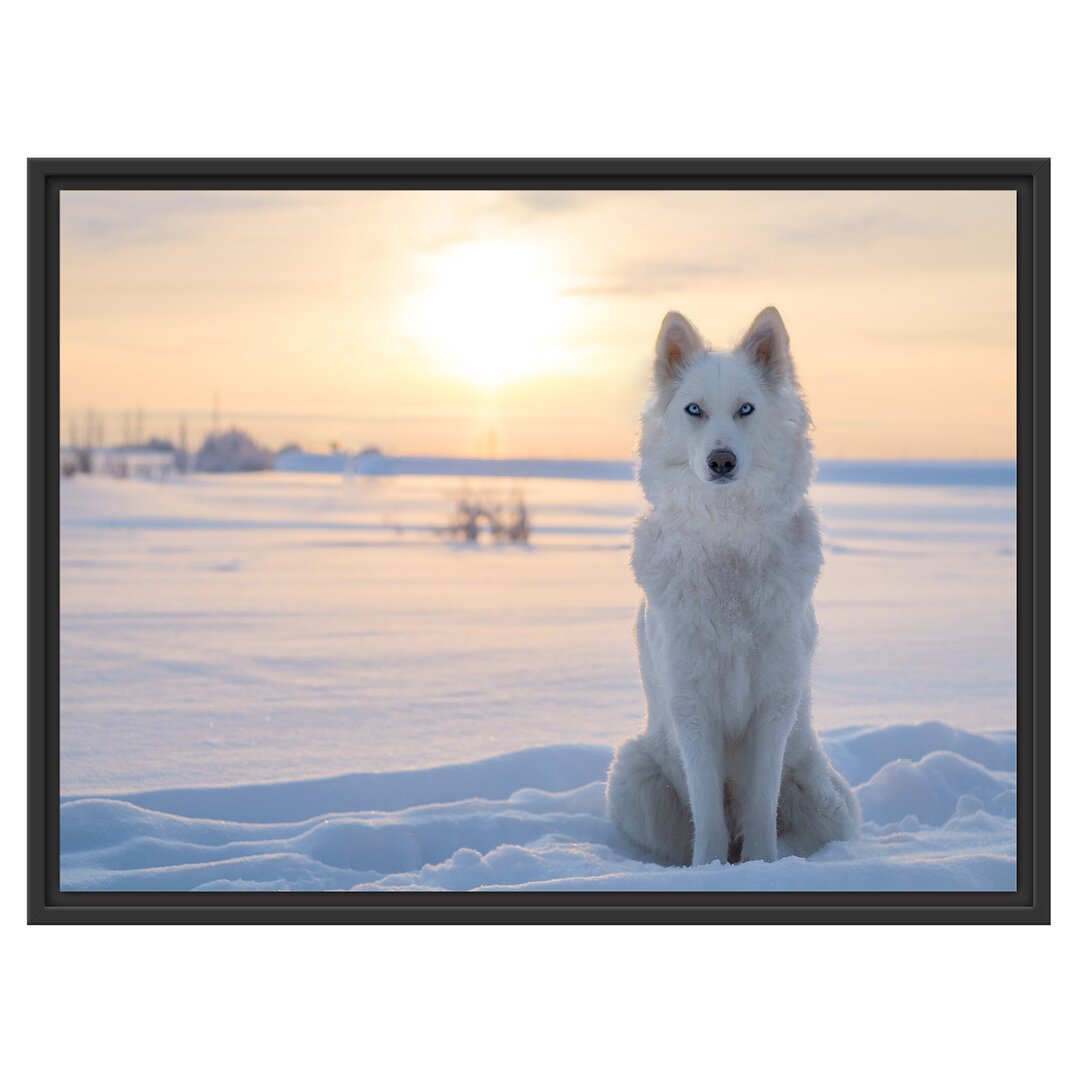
(472, 515)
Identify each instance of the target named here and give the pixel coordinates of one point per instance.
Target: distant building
(152, 445)
(232, 451)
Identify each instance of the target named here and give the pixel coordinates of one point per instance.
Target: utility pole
(182, 456)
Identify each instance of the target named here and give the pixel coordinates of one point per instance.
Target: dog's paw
(706, 852)
(762, 850)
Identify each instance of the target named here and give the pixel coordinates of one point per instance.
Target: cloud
(116, 218)
(647, 277)
(551, 202)
(833, 232)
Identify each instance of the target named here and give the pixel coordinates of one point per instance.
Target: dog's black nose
(722, 462)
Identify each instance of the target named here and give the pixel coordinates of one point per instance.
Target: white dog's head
(725, 422)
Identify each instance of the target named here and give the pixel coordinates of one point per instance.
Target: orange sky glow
(522, 323)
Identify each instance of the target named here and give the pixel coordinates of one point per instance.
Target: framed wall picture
(582, 540)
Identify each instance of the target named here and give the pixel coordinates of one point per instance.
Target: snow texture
(297, 682)
(535, 819)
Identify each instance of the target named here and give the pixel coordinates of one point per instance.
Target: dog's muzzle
(722, 464)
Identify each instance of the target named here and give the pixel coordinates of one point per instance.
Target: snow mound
(930, 789)
(550, 768)
(858, 754)
(936, 819)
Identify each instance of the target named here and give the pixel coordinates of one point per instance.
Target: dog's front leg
(765, 740)
(701, 746)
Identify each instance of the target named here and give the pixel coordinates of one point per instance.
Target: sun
(491, 312)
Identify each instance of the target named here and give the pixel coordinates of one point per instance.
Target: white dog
(727, 557)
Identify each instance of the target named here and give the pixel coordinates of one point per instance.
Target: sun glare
(491, 312)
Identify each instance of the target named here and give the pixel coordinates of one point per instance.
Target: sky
(522, 323)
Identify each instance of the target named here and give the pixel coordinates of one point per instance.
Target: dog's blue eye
(746, 410)
(694, 409)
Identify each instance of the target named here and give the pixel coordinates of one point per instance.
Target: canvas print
(571, 540)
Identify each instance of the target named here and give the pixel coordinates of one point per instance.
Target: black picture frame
(1028, 177)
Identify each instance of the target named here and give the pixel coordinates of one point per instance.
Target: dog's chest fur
(728, 609)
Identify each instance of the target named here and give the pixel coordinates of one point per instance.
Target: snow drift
(534, 819)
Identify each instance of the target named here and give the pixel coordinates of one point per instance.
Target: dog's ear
(677, 344)
(767, 343)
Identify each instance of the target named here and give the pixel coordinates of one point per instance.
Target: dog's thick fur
(727, 557)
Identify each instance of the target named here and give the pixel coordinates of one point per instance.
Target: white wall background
(495, 79)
